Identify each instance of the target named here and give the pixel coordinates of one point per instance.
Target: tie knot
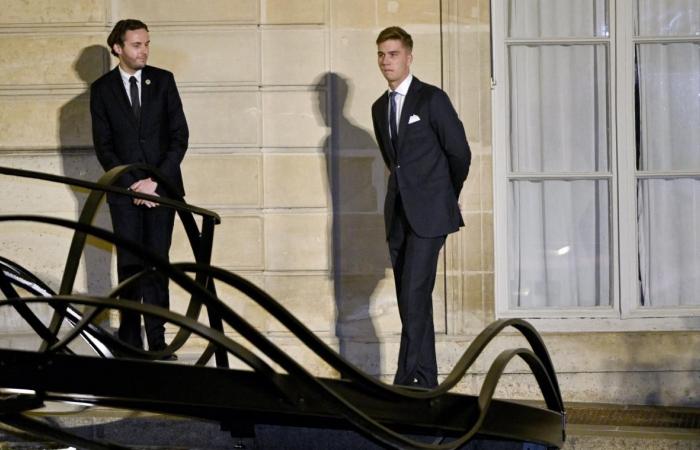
(132, 80)
(392, 94)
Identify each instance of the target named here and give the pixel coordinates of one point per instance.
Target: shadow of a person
(79, 161)
(359, 256)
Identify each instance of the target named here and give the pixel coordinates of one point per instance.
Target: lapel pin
(148, 81)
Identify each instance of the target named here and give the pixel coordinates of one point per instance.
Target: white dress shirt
(127, 84)
(401, 91)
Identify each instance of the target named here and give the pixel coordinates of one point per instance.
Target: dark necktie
(392, 119)
(134, 93)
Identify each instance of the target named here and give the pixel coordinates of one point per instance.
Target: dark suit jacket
(159, 139)
(430, 164)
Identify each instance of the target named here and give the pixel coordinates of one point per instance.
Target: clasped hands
(145, 186)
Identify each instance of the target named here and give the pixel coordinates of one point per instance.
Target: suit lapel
(384, 127)
(120, 94)
(409, 105)
(146, 91)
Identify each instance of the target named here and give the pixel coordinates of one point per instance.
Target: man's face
(134, 54)
(394, 61)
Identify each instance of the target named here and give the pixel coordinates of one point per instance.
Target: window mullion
(625, 151)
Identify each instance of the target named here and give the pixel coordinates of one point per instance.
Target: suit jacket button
(398, 166)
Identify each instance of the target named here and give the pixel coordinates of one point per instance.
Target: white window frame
(624, 314)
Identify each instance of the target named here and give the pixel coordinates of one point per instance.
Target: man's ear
(117, 49)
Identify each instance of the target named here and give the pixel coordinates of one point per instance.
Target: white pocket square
(413, 119)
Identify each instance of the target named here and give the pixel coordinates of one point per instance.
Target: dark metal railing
(376, 409)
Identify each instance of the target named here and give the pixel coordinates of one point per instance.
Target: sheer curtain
(668, 208)
(559, 226)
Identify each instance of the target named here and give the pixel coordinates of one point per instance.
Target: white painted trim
(499, 139)
(580, 324)
(626, 156)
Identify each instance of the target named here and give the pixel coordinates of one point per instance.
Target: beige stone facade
(277, 94)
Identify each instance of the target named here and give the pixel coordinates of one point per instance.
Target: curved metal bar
(98, 190)
(151, 259)
(487, 335)
(236, 321)
(37, 427)
(493, 376)
(87, 216)
(24, 311)
(220, 339)
(79, 328)
(537, 367)
(531, 335)
(340, 364)
(110, 188)
(17, 273)
(306, 335)
(28, 281)
(364, 423)
(26, 275)
(370, 427)
(193, 311)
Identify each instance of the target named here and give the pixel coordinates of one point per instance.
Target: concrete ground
(591, 426)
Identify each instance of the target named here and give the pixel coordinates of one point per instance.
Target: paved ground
(591, 426)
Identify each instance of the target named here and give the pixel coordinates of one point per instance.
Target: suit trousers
(151, 228)
(414, 260)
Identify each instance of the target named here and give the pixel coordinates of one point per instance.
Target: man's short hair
(120, 29)
(397, 33)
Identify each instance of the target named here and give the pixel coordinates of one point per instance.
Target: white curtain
(559, 229)
(557, 18)
(668, 209)
(559, 244)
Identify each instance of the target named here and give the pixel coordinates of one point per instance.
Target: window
(597, 159)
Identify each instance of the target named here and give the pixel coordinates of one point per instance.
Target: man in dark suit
(137, 117)
(425, 148)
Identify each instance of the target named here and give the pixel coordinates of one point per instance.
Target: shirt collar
(126, 76)
(402, 88)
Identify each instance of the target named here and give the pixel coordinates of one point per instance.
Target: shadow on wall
(359, 255)
(79, 161)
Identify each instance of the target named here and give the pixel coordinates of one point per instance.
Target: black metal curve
(89, 212)
(203, 293)
(298, 328)
(370, 427)
(37, 427)
(200, 242)
(110, 188)
(22, 277)
(340, 364)
(215, 336)
(280, 313)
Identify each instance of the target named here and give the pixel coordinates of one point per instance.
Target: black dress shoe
(160, 348)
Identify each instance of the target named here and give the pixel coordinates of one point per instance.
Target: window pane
(669, 242)
(668, 18)
(558, 107)
(559, 244)
(557, 18)
(669, 106)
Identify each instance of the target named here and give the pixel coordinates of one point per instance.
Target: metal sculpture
(238, 398)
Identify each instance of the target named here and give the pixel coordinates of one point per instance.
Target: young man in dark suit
(137, 117)
(425, 149)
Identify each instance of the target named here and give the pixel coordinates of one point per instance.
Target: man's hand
(145, 186)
